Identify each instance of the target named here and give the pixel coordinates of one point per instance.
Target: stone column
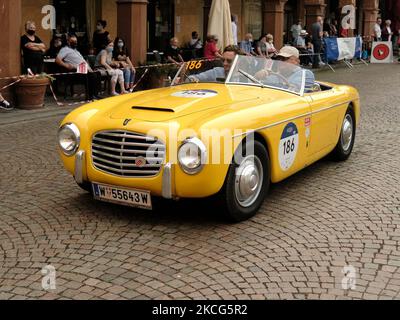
(371, 11)
(10, 25)
(132, 26)
(314, 8)
(274, 19)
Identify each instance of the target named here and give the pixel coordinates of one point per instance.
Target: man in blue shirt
(247, 45)
(294, 79)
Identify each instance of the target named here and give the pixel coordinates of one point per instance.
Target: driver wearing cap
(291, 71)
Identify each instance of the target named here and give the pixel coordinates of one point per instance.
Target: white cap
(288, 52)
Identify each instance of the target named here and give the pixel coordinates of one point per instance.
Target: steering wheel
(285, 80)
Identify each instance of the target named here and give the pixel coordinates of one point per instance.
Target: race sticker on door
(288, 146)
(127, 197)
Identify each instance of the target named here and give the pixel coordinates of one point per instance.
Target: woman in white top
(270, 46)
(104, 61)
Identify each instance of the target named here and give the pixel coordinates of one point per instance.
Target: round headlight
(69, 139)
(192, 155)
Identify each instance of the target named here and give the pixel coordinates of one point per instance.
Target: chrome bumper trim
(79, 166)
(167, 182)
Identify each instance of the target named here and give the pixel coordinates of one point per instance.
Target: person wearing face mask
(173, 52)
(101, 37)
(70, 58)
(120, 55)
(33, 49)
(271, 50)
(105, 64)
(247, 45)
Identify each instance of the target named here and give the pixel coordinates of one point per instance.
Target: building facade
(149, 24)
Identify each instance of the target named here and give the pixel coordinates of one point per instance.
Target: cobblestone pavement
(325, 218)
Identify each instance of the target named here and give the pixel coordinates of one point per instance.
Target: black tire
(233, 210)
(342, 152)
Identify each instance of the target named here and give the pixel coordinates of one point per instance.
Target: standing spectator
(211, 51)
(173, 52)
(378, 30)
(234, 29)
(262, 46)
(4, 104)
(387, 31)
(70, 58)
(317, 34)
(247, 45)
(295, 31)
(121, 56)
(271, 50)
(196, 45)
(33, 49)
(104, 62)
(303, 48)
(55, 47)
(101, 37)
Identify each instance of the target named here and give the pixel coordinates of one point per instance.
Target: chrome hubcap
(249, 180)
(347, 132)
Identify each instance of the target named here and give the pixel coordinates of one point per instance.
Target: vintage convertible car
(211, 132)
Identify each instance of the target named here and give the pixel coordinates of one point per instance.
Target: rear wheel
(345, 144)
(247, 184)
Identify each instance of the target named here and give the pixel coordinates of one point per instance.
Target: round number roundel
(381, 52)
(288, 146)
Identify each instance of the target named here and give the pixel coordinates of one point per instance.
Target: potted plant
(31, 90)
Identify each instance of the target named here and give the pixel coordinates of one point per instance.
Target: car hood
(166, 104)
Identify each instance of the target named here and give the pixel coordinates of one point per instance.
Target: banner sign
(337, 49)
(382, 52)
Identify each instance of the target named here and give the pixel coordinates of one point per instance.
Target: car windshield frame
(272, 64)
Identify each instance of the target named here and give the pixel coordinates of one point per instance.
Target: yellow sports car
(224, 131)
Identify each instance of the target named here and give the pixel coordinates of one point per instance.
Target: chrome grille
(127, 154)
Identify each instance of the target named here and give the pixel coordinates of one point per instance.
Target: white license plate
(128, 197)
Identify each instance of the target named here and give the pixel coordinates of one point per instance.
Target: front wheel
(247, 184)
(345, 144)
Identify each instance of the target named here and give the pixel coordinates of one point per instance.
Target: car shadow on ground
(188, 211)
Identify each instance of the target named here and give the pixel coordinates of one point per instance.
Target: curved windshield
(269, 73)
(247, 70)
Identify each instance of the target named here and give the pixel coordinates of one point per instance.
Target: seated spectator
(101, 37)
(70, 58)
(300, 44)
(55, 47)
(121, 56)
(33, 49)
(105, 63)
(272, 52)
(247, 45)
(173, 52)
(196, 45)
(4, 104)
(262, 46)
(211, 51)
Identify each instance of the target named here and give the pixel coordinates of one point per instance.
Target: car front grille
(127, 154)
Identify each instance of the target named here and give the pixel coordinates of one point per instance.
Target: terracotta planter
(30, 93)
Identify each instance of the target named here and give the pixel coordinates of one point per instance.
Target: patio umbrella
(220, 23)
